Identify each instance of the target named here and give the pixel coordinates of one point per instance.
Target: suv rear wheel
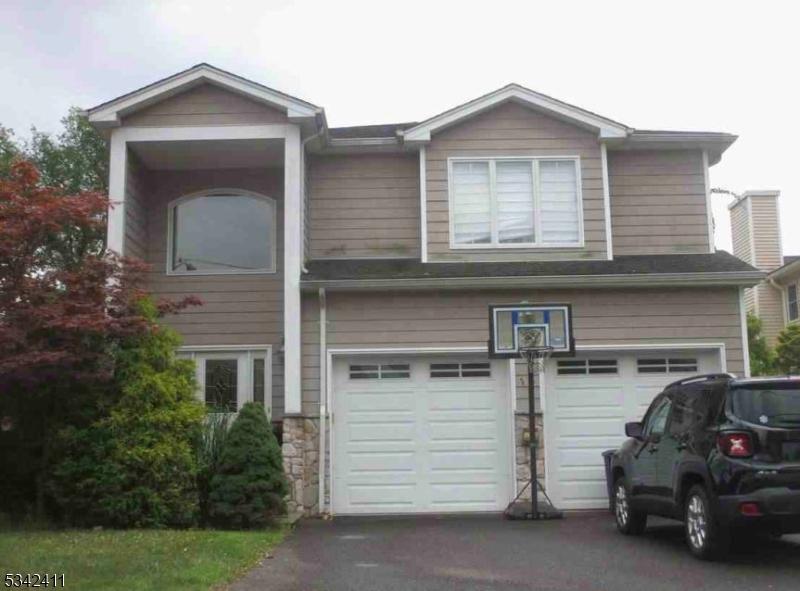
(629, 521)
(706, 539)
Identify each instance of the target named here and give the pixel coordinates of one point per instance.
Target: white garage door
(416, 435)
(588, 400)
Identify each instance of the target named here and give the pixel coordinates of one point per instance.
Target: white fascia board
(606, 128)
(744, 278)
(109, 114)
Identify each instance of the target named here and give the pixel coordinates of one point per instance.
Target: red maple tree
(63, 298)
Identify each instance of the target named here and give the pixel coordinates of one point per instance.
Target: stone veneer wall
(523, 451)
(301, 463)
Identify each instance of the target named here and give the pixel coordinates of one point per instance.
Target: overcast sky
(713, 66)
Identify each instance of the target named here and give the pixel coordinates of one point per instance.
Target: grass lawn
(136, 559)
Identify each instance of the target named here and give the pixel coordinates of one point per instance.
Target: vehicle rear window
(774, 405)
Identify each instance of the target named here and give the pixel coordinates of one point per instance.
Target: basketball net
(533, 349)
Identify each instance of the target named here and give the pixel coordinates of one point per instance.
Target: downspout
(305, 196)
(323, 395)
(782, 291)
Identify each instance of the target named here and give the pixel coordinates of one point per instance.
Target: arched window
(223, 231)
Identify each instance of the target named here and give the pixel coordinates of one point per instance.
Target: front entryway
(589, 399)
(417, 434)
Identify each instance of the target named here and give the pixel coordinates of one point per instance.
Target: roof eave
(737, 279)
(787, 269)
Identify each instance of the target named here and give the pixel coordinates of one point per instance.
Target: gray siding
(137, 188)
(237, 309)
(364, 206)
(205, 105)
(458, 319)
(514, 130)
(658, 202)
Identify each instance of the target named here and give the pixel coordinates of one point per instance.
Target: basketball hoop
(533, 333)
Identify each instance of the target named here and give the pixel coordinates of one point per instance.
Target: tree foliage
(136, 466)
(762, 358)
(66, 309)
(787, 350)
(248, 489)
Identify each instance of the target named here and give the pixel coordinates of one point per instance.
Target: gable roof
(606, 128)
(791, 265)
(108, 114)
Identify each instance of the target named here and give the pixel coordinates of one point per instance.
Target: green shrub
(136, 466)
(248, 489)
(210, 444)
(787, 351)
(762, 358)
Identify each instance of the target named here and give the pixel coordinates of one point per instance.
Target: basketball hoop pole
(531, 357)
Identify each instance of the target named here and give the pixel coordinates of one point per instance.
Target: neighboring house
(347, 273)
(756, 232)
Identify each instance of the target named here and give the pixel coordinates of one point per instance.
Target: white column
(292, 261)
(118, 163)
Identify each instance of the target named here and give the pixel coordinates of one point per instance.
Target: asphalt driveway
(584, 551)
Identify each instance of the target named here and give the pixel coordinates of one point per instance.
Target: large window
(222, 232)
(515, 202)
(791, 296)
(227, 377)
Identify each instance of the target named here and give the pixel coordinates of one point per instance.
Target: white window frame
(244, 381)
(222, 192)
(789, 318)
(495, 243)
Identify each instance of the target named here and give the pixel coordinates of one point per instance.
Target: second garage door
(589, 399)
(416, 435)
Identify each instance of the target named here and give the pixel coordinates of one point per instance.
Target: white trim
(606, 201)
(753, 259)
(117, 179)
(605, 127)
(512, 410)
(110, 113)
(241, 352)
(745, 340)
(423, 205)
(323, 389)
(222, 192)
(199, 133)
(329, 393)
(709, 211)
(292, 270)
(495, 244)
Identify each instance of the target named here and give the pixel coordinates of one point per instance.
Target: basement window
(667, 365)
(585, 367)
(461, 370)
(380, 371)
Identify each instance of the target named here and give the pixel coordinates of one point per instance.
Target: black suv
(720, 454)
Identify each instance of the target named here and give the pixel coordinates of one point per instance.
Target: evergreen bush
(787, 351)
(249, 487)
(136, 466)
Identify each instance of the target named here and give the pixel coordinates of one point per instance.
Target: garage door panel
(382, 495)
(382, 401)
(464, 495)
(468, 431)
(584, 395)
(460, 397)
(591, 427)
(464, 459)
(380, 461)
(401, 432)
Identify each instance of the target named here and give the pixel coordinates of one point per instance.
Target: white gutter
(323, 402)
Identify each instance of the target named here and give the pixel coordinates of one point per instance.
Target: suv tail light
(735, 444)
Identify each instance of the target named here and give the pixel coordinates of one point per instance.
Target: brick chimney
(756, 233)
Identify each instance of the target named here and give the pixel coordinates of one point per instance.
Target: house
(756, 232)
(343, 268)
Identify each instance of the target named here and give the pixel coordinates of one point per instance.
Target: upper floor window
(515, 202)
(791, 296)
(227, 231)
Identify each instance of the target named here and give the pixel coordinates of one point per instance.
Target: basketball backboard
(515, 327)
